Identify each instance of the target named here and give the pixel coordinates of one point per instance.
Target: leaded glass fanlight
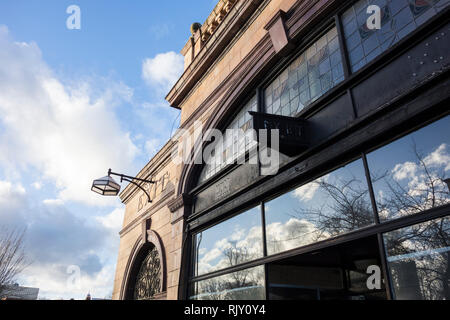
(148, 280)
(234, 145)
(398, 19)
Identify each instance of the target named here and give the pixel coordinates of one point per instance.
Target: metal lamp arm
(128, 177)
(123, 178)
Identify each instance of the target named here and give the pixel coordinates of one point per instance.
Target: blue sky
(74, 103)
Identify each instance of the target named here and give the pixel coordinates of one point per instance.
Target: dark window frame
(384, 227)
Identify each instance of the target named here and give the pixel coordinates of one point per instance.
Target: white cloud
(306, 192)
(152, 147)
(291, 234)
(404, 170)
(439, 158)
(37, 185)
(424, 186)
(53, 202)
(7, 188)
(69, 133)
(282, 236)
(11, 197)
(58, 284)
(163, 70)
(114, 220)
(55, 239)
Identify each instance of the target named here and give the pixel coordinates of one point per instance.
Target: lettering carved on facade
(154, 190)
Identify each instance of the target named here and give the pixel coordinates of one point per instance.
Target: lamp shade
(106, 186)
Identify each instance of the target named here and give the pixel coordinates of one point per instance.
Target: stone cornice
(216, 17)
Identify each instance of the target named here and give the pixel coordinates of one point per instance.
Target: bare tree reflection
(419, 257)
(419, 260)
(242, 285)
(348, 209)
(424, 187)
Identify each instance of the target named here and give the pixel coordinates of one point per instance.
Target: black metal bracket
(130, 180)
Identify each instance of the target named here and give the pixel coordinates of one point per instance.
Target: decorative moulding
(179, 202)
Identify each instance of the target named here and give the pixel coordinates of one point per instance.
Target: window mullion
(343, 46)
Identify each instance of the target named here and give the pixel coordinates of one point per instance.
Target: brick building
(359, 206)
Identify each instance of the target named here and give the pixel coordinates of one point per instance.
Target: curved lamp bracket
(130, 180)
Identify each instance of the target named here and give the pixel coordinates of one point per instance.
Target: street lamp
(107, 186)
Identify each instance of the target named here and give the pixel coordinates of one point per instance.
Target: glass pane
(237, 141)
(408, 175)
(229, 243)
(339, 272)
(307, 78)
(242, 285)
(334, 204)
(419, 261)
(399, 18)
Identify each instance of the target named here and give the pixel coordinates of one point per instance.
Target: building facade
(16, 292)
(357, 206)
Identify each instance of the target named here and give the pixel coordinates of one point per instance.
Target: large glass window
(409, 174)
(311, 75)
(235, 241)
(419, 260)
(334, 204)
(242, 285)
(237, 140)
(399, 18)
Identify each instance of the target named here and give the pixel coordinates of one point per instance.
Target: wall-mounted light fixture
(107, 186)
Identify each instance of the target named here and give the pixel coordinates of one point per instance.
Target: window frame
(378, 228)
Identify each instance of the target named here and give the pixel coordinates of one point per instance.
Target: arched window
(146, 274)
(234, 144)
(148, 280)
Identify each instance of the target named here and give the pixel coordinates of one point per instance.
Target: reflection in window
(334, 204)
(236, 143)
(418, 260)
(408, 175)
(399, 18)
(242, 285)
(230, 243)
(310, 76)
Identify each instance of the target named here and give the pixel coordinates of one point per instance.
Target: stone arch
(138, 254)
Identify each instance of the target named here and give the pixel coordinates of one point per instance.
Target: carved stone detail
(216, 18)
(179, 202)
